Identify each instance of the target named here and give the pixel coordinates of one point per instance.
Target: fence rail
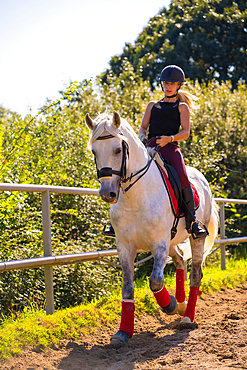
(48, 261)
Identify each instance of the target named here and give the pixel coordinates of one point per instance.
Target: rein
(107, 172)
(144, 170)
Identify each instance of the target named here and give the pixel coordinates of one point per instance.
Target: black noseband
(107, 172)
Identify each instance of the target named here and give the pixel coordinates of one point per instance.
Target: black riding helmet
(172, 73)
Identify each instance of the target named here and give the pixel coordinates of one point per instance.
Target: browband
(105, 137)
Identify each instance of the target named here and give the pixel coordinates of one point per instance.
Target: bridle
(107, 172)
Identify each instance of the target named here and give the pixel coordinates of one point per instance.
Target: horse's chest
(142, 220)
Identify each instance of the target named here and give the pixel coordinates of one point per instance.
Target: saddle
(173, 186)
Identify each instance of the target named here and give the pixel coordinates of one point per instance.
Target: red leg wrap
(127, 318)
(191, 306)
(180, 291)
(162, 297)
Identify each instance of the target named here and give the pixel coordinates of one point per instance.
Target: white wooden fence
(49, 260)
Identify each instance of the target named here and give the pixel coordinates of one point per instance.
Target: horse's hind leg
(126, 329)
(167, 303)
(176, 254)
(197, 249)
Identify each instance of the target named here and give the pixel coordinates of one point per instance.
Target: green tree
(127, 93)
(208, 39)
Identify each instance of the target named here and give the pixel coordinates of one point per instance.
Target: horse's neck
(138, 157)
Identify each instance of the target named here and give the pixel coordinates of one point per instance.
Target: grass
(34, 329)
(214, 279)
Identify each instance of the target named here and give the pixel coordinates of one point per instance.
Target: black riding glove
(144, 141)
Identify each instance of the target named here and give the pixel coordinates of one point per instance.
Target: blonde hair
(186, 97)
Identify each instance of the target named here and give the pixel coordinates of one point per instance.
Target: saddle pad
(173, 199)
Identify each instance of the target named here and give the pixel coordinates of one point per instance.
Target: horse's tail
(212, 229)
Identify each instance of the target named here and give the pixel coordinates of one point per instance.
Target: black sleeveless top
(164, 120)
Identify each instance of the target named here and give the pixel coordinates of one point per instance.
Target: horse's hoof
(120, 337)
(182, 307)
(186, 320)
(172, 307)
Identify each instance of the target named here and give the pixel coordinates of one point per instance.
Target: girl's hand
(163, 140)
(144, 140)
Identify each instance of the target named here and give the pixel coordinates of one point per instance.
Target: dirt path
(217, 340)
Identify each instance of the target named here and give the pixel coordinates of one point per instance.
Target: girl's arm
(184, 133)
(146, 119)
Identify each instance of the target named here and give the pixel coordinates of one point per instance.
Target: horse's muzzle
(108, 193)
(110, 198)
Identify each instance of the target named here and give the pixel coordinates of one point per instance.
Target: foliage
(51, 150)
(128, 94)
(32, 328)
(206, 38)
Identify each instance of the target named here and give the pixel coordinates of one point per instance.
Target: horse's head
(110, 153)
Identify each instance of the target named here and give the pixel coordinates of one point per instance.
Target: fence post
(222, 235)
(185, 269)
(46, 219)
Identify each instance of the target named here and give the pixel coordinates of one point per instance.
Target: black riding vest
(164, 120)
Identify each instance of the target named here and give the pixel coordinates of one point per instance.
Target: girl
(162, 120)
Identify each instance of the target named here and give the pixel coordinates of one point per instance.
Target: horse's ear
(89, 122)
(116, 119)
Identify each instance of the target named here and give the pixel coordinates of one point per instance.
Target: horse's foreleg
(197, 247)
(126, 329)
(167, 303)
(180, 294)
(128, 303)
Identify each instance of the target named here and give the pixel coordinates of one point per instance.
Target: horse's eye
(118, 150)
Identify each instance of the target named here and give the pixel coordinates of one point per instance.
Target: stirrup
(197, 231)
(109, 232)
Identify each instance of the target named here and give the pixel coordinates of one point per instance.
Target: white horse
(142, 218)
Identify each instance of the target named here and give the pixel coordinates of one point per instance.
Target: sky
(46, 44)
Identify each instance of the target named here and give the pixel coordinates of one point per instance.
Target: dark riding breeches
(172, 153)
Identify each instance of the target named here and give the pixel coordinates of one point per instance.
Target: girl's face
(170, 88)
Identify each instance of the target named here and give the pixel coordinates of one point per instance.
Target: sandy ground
(216, 340)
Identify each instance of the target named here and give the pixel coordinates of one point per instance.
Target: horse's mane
(104, 124)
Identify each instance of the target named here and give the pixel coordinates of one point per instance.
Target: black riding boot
(109, 231)
(192, 225)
